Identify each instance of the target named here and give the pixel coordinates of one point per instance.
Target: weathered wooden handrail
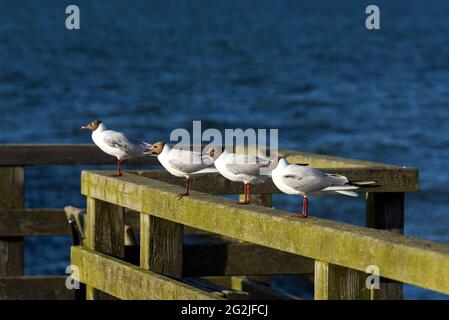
(384, 203)
(89, 154)
(419, 262)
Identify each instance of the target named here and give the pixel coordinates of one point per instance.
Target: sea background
(308, 68)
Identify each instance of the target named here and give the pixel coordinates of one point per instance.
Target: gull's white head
(282, 163)
(92, 126)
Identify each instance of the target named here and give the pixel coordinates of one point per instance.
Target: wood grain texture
(130, 282)
(12, 184)
(105, 234)
(161, 246)
(35, 288)
(414, 261)
(333, 282)
(33, 222)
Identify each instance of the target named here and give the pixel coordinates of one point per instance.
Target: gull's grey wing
(305, 179)
(252, 169)
(245, 164)
(119, 140)
(187, 161)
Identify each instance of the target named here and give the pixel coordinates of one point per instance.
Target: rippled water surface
(308, 68)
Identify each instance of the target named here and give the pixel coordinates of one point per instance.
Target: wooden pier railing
(16, 222)
(255, 240)
(263, 241)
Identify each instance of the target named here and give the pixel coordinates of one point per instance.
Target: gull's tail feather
(348, 193)
(362, 183)
(205, 171)
(340, 188)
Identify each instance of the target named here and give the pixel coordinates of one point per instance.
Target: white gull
(302, 180)
(241, 168)
(115, 143)
(181, 163)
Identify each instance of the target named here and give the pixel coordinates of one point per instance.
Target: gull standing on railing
(302, 180)
(115, 143)
(181, 163)
(241, 168)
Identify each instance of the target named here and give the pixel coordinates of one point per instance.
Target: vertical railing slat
(105, 233)
(161, 246)
(12, 185)
(334, 282)
(386, 211)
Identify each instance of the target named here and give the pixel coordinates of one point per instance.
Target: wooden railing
(16, 222)
(275, 243)
(338, 254)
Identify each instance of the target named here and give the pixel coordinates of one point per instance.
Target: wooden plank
(226, 258)
(33, 222)
(261, 291)
(35, 288)
(406, 259)
(334, 282)
(216, 289)
(327, 161)
(385, 211)
(12, 183)
(61, 154)
(254, 290)
(45, 222)
(161, 246)
(237, 259)
(105, 233)
(387, 180)
(70, 154)
(129, 282)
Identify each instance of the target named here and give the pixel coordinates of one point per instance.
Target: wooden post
(161, 246)
(386, 211)
(333, 282)
(105, 234)
(11, 197)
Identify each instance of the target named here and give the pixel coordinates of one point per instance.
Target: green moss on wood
(126, 281)
(418, 262)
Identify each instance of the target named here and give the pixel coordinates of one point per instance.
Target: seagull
(241, 168)
(299, 179)
(115, 143)
(181, 163)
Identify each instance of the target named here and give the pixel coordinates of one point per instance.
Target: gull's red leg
(119, 165)
(245, 193)
(305, 207)
(186, 190)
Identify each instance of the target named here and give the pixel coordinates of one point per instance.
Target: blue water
(308, 68)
